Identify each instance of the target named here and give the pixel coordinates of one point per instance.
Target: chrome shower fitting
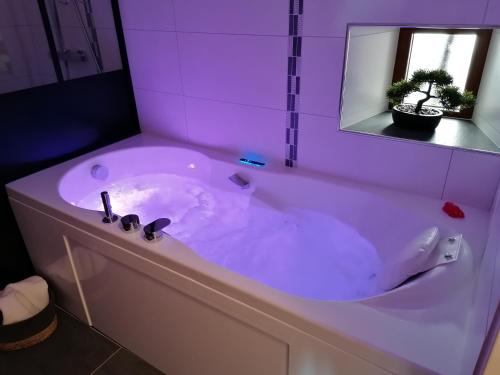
(109, 217)
(130, 223)
(152, 231)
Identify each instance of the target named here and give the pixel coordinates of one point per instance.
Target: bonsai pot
(427, 120)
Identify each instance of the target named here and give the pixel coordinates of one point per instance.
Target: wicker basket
(31, 331)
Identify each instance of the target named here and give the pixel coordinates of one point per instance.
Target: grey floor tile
(73, 349)
(126, 363)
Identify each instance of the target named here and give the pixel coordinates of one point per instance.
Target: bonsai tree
(425, 81)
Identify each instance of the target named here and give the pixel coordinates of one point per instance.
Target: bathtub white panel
(43, 237)
(162, 113)
(236, 128)
(321, 75)
(233, 17)
(244, 69)
(397, 164)
(147, 14)
(172, 331)
(153, 60)
(330, 17)
(312, 357)
(473, 178)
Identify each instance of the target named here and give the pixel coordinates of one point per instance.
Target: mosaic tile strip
(295, 23)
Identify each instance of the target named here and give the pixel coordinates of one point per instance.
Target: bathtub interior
(309, 238)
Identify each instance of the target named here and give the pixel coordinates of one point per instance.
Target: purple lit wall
(214, 73)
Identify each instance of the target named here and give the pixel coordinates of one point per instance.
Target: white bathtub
(218, 302)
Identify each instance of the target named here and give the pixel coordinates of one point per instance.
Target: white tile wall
(147, 14)
(385, 162)
(153, 59)
(244, 69)
(162, 113)
(226, 60)
(255, 17)
(321, 77)
(237, 128)
(473, 178)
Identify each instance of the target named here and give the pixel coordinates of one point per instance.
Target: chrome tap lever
(153, 231)
(109, 217)
(130, 222)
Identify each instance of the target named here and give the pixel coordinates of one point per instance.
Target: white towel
(22, 300)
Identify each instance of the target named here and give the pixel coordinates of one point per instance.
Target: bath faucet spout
(130, 222)
(153, 231)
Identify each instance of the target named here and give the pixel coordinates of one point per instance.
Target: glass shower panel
(85, 37)
(24, 51)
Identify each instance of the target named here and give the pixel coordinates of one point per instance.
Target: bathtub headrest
(410, 261)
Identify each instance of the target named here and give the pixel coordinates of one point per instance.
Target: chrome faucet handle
(109, 217)
(130, 222)
(153, 231)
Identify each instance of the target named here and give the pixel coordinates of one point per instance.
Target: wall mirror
(48, 41)
(428, 84)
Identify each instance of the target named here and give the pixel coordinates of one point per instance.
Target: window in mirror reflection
(451, 52)
(460, 52)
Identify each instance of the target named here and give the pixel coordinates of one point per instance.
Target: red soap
(452, 210)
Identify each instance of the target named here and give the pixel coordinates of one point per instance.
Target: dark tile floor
(450, 132)
(74, 349)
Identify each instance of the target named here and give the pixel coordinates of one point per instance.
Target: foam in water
(301, 252)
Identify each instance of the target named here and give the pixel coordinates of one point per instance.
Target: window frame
(476, 68)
